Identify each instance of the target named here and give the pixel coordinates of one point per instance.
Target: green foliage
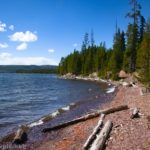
(143, 56)
(131, 51)
(88, 60)
(132, 37)
(116, 59)
(135, 11)
(132, 54)
(142, 28)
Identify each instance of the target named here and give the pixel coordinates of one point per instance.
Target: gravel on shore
(126, 134)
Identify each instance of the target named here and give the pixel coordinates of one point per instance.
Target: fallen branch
(21, 135)
(135, 113)
(86, 117)
(62, 125)
(99, 142)
(95, 131)
(114, 109)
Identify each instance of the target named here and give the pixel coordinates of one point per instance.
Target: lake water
(25, 98)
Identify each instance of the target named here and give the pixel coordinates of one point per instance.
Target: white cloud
(75, 45)
(11, 27)
(5, 55)
(23, 37)
(5, 45)
(51, 50)
(9, 59)
(2, 27)
(22, 46)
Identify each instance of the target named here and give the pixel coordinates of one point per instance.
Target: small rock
(110, 138)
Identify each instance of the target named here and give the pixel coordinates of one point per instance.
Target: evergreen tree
(131, 50)
(92, 39)
(85, 44)
(135, 11)
(100, 58)
(123, 42)
(143, 57)
(133, 55)
(132, 37)
(142, 27)
(61, 66)
(116, 59)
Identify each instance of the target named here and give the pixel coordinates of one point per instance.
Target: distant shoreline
(47, 69)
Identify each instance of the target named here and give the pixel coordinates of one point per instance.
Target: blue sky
(42, 31)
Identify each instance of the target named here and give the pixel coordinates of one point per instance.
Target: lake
(25, 98)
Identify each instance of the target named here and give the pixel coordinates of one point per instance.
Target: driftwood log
(135, 113)
(21, 135)
(99, 142)
(95, 131)
(113, 109)
(86, 117)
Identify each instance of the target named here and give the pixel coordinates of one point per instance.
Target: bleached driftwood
(86, 117)
(21, 135)
(135, 113)
(99, 142)
(95, 131)
(80, 119)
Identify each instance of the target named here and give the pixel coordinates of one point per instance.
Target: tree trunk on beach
(86, 117)
(95, 131)
(114, 109)
(99, 142)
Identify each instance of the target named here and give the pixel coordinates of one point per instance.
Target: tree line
(38, 71)
(130, 51)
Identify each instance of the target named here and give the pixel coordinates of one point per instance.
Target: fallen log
(95, 131)
(62, 125)
(99, 142)
(86, 117)
(135, 113)
(113, 109)
(21, 135)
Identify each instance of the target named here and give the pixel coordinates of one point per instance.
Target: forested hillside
(130, 51)
(28, 69)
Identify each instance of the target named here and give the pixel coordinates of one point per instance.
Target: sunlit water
(27, 97)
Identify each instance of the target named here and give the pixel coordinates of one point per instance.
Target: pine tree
(142, 28)
(143, 57)
(132, 37)
(85, 43)
(123, 42)
(135, 11)
(116, 59)
(100, 58)
(131, 49)
(92, 39)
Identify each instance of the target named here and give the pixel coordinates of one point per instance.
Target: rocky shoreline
(130, 92)
(47, 119)
(127, 133)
